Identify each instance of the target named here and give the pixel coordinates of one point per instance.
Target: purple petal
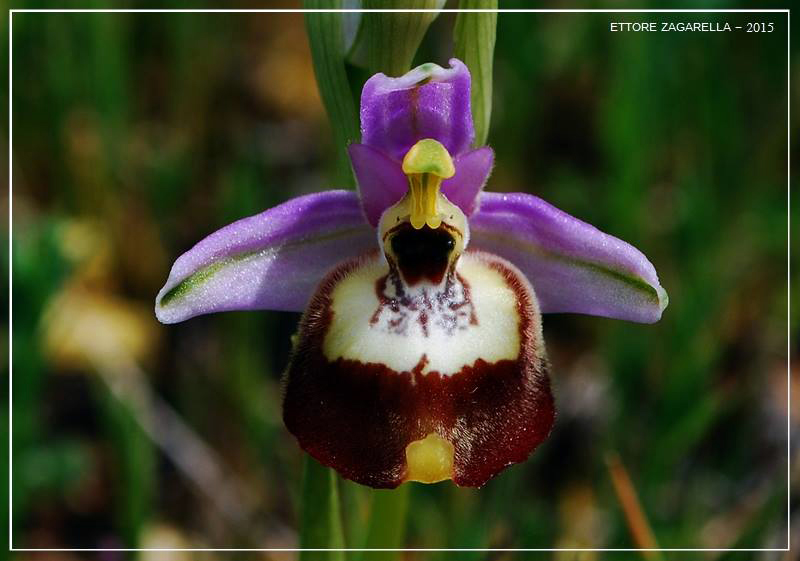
(573, 266)
(272, 260)
(381, 181)
(427, 102)
(472, 171)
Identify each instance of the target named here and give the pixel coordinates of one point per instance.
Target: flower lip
(402, 378)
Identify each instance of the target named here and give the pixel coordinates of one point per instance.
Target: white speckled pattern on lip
(363, 330)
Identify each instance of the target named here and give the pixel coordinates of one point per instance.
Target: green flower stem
(321, 520)
(327, 43)
(387, 523)
(474, 37)
(392, 38)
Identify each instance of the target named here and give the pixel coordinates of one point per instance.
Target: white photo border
(11, 13)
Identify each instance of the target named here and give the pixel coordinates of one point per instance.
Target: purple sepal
(272, 260)
(427, 102)
(573, 266)
(381, 181)
(472, 171)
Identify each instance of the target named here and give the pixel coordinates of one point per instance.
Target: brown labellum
(468, 397)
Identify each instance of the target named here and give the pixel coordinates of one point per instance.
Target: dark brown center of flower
(422, 254)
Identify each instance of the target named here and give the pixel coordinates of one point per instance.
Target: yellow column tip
(429, 156)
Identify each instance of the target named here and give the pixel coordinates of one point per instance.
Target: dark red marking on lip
(358, 418)
(451, 305)
(413, 96)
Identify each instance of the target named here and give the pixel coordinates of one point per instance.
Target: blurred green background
(135, 135)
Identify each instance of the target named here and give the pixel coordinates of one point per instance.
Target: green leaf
(474, 37)
(135, 466)
(387, 523)
(321, 522)
(327, 42)
(391, 39)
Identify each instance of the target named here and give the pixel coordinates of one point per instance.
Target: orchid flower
(420, 354)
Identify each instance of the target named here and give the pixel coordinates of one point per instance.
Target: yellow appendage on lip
(426, 164)
(429, 460)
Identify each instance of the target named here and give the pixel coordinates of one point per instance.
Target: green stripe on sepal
(572, 266)
(187, 287)
(199, 277)
(656, 294)
(634, 282)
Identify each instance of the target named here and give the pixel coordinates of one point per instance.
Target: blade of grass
(474, 37)
(134, 470)
(126, 383)
(639, 527)
(387, 523)
(326, 39)
(320, 519)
